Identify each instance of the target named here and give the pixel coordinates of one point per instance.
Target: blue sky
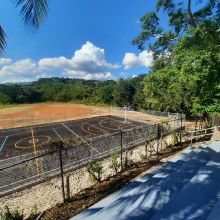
(99, 30)
(80, 38)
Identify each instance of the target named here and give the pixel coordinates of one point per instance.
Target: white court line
(3, 143)
(65, 126)
(100, 129)
(119, 122)
(21, 130)
(58, 134)
(76, 122)
(112, 129)
(117, 126)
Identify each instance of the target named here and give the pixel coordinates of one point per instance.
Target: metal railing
(200, 133)
(15, 174)
(151, 112)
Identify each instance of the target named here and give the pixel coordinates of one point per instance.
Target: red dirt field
(23, 115)
(33, 114)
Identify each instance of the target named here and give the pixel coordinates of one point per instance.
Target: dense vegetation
(185, 76)
(120, 93)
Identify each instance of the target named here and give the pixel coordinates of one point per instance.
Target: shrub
(34, 213)
(150, 148)
(12, 215)
(94, 168)
(143, 157)
(127, 160)
(115, 165)
(176, 138)
(165, 144)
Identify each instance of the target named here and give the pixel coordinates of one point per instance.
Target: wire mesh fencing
(149, 112)
(65, 156)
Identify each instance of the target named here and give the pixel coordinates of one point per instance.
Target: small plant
(165, 144)
(115, 165)
(176, 138)
(12, 215)
(34, 213)
(151, 148)
(143, 157)
(94, 168)
(165, 124)
(126, 160)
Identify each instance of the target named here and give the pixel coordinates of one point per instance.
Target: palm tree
(32, 12)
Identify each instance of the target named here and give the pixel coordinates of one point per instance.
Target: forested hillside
(120, 93)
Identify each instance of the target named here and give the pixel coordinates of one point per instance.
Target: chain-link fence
(67, 156)
(149, 112)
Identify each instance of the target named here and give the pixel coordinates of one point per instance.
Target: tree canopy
(185, 73)
(109, 92)
(180, 18)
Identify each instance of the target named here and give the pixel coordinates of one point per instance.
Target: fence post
(161, 135)
(68, 187)
(191, 141)
(61, 171)
(181, 124)
(158, 138)
(91, 150)
(121, 150)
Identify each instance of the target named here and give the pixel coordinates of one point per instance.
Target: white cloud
(4, 61)
(145, 59)
(87, 63)
(21, 71)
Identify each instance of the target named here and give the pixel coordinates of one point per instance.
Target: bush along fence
(66, 157)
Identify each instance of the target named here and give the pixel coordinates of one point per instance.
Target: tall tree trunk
(191, 18)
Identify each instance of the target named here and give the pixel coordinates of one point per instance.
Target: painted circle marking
(28, 142)
(115, 125)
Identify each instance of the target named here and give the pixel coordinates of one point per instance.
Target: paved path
(185, 187)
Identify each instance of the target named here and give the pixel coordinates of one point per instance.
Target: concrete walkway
(185, 187)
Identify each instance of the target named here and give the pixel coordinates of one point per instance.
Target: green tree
(123, 93)
(32, 12)
(139, 98)
(191, 82)
(184, 76)
(4, 99)
(77, 90)
(137, 85)
(180, 19)
(63, 96)
(105, 92)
